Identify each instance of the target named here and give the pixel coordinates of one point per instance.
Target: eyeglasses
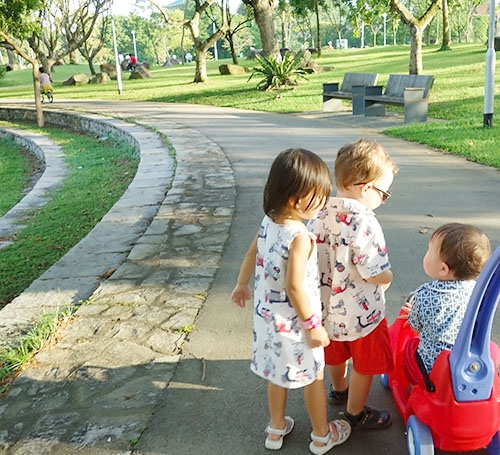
(383, 194)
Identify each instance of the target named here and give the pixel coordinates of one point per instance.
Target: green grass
(16, 167)
(14, 357)
(457, 95)
(99, 173)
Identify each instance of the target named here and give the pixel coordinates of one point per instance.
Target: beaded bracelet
(312, 323)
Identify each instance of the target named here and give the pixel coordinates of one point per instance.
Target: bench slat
(397, 83)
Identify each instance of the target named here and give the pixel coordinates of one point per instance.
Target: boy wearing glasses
(355, 271)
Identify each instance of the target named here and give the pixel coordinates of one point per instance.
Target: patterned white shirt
(351, 248)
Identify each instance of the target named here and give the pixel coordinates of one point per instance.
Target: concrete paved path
(209, 402)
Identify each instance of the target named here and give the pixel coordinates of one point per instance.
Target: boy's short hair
(464, 248)
(361, 161)
(295, 173)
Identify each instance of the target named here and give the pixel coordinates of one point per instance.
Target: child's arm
(384, 279)
(241, 292)
(300, 250)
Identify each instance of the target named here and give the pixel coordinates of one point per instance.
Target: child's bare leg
(315, 401)
(276, 400)
(359, 388)
(359, 415)
(338, 376)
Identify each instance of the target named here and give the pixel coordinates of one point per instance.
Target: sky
(125, 7)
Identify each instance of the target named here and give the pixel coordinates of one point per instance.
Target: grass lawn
(457, 95)
(16, 167)
(99, 172)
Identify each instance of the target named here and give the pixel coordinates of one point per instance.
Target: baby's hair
(362, 161)
(464, 248)
(294, 174)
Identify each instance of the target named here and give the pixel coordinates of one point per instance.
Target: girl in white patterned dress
(288, 334)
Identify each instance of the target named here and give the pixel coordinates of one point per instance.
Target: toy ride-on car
(458, 407)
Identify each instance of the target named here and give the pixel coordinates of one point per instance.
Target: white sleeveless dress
(281, 353)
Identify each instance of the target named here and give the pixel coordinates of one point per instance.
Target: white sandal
(344, 431)
(276, 444)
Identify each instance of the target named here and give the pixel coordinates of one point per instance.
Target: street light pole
(133, 40)
(489, 82)
(215, 44)
(117, 60)
(384, 15)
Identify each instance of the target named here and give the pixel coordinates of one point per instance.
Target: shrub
(279, 73)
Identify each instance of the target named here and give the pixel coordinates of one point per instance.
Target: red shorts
(370, 354)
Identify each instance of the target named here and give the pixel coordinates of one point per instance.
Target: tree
(73, 20)
(417, 27)
(263, 11)
(238, 35)
(337, 12)
(16, 23)
(92, 46)
(201, 46)
(301, 8)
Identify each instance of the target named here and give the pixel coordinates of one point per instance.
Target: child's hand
(406, 308)
(318, 337)
(241, 293)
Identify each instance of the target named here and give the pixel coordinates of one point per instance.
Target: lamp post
(384, 15)
(489, 82)
(362, 34)
(117, 61)
(133, 40)
(216, 56)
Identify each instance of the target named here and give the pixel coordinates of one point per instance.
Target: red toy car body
(463, 412)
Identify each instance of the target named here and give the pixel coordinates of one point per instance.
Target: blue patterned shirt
(437, 314)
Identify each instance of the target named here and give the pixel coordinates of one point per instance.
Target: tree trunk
(36, 82)
(230, 40)
(318, 37)
(445, 45)
(12, 59)
(416, 66)
(263, 13)
(73, 58)
(417, 27)
(284, 43)
(201, 65)
(91, 67)
(38, 100)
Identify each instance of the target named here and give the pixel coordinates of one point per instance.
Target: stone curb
(127, 341)
(51, 156)
(75, 276)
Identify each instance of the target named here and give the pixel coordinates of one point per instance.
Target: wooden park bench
(408, 90)
(351, 83)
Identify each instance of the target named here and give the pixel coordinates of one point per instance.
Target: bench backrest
(351, 79)
(397, 83)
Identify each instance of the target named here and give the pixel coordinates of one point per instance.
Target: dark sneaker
(369, 419)
(337, 398)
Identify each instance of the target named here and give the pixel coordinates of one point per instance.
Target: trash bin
(415, 105)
